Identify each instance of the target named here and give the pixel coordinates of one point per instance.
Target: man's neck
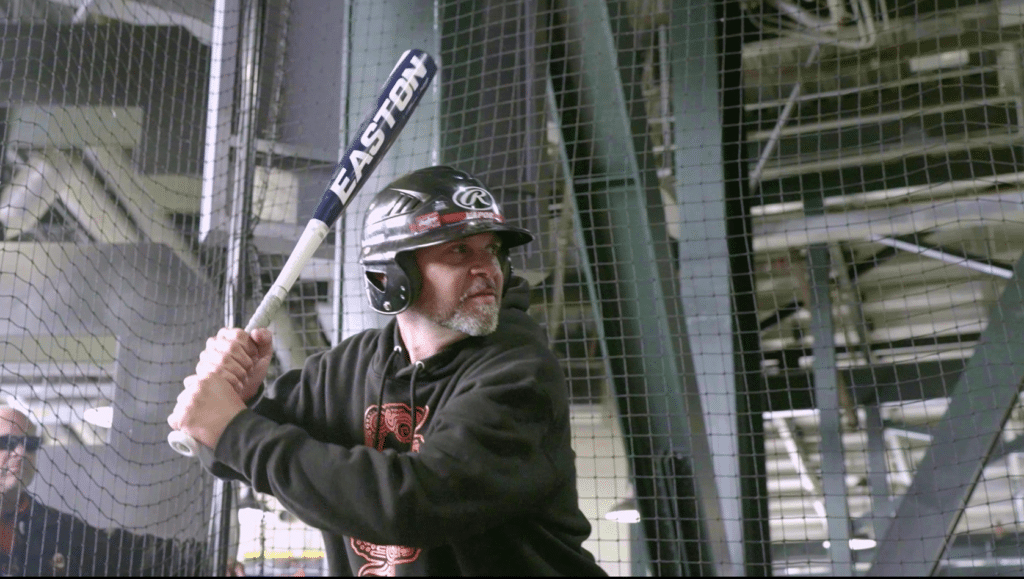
(423, 337)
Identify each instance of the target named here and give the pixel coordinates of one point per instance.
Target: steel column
(642, 315)
(961, 445)
(878, 471)
(830, 427)
(751, 399)
(220, 106)
(704, 268)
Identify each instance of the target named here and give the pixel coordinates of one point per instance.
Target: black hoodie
(479, 480)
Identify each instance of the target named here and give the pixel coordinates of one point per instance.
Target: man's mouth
(484, 292)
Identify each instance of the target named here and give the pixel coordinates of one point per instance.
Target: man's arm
(68, 545)
(487, 459)
(135, 555)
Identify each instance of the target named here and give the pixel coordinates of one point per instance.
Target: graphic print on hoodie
(381, 423)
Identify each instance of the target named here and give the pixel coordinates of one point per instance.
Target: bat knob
(185, 445)
(182, 443)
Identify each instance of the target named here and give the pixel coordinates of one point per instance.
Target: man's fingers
(231, 334)
(204, 407)
(174, 419)
(216, 362)
(263, 338)
(237, 340)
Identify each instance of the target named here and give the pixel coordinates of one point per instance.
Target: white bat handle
(185, 445)
(307, 245)
(312, 236)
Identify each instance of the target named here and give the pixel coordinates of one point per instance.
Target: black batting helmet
(424, 208)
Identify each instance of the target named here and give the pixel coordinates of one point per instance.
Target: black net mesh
(776, 251)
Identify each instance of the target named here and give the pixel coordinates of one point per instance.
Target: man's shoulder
(518, 345)
(45, 517)
(38, 510)
(517, 329)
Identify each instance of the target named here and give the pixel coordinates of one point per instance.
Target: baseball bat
(397, 100)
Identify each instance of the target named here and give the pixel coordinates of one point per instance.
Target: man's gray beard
(481, 322)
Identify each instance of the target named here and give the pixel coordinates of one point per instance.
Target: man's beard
(480, 320)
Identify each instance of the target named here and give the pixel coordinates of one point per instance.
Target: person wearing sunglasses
(18, 446)
(36, 539)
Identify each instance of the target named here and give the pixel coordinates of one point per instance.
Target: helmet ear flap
(389, 288)
(406, 261)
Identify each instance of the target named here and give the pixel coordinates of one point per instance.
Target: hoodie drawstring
(412, 402)
(380, 397)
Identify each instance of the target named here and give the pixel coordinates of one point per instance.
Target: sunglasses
(10, 442)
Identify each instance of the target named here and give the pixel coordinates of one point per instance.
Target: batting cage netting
(776, 254)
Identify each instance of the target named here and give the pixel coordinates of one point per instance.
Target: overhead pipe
(945, 256)
(787, 111)
(862, 13)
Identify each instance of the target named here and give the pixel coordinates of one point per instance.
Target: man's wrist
(211, 436)
(255, 397)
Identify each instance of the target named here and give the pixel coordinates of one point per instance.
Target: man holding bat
(438, 445)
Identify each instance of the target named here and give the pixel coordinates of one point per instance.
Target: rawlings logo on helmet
(473, 198)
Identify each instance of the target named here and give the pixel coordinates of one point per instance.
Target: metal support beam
(830, 426)
(946, 255)
(962, 444)
(704, 268)
(220, 104)
(858, 225)
(642, 314)
(639, 558)
(223, 520)
(878, 471)
(751, 400)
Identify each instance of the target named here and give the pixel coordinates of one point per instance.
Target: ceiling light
(940, 61)
(856, 544)
(102, 416)
(624, 512)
